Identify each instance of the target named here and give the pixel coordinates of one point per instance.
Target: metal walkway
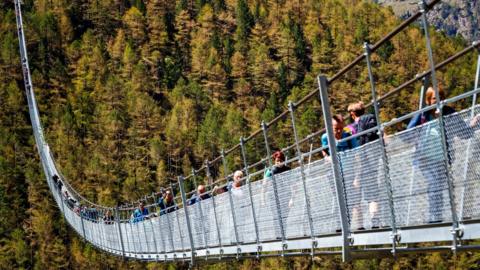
(259, 219)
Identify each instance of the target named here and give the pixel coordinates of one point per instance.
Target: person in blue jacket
(340, 133)
(140, 214)
(353, 191)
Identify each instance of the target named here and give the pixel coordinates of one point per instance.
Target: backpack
(367, 121)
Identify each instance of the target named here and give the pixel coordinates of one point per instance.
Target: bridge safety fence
(415, 177)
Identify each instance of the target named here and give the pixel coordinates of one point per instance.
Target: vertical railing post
(178, 223)
(96, 229)
(455, 228)
(291, 108)
(83, 225)
(132, 238)
(170, 231)
(388, 181)
(232, 206)
(160, 224)
(339, 188)
(275, 191)
(59, 191)
(465, 167)
(423, 89)
(187, 219)
(103, 239)
(202, 222)
(477, 81)
(209, 177)
(127, 238)
(120, 236)
(249, 187)
(153, 236)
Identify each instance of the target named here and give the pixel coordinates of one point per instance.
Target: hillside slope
(134, 93)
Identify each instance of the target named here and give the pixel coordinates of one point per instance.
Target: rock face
(455, 17)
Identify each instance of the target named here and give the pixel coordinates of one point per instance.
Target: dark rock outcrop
(455, 17)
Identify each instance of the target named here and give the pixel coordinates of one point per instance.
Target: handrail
(420, 76)
(341, 72)
(96, 233)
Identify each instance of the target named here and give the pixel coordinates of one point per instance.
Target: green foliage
(244, 23)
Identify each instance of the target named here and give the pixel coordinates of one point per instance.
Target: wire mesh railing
(423, 175)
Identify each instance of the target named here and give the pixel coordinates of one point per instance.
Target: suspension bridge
(259, 219)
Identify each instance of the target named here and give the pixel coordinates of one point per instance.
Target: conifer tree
(157, 12)
(135, 26)
(209, 130)
(183, 25)
(104, 15)
(201, 42)
(262, 66)
(245, 21)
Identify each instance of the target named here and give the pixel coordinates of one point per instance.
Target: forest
(134, 93)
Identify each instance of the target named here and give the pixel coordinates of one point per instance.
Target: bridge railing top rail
(285, 113)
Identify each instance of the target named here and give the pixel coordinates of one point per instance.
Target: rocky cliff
(455, 17)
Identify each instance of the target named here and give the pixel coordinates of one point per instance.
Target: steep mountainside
(455, 17)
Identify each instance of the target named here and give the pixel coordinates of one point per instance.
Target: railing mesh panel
(243, 214)
(418, 175)
(464, 157)
(365, 187)
(323, 198)
(266, 210)
(210, 225)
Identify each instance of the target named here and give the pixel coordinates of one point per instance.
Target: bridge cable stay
(216, 216)
(337, 170)
(246, 224)
(439, 108)
(249, 189)
(232, 206)
(275, 189)
(381, 141)
(303, 177)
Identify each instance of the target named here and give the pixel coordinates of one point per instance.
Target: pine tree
(117, 47)
(104, 15)
(215, 77)
(183, 25)
(288, 51)
(245, 21)
(201, 42)
(157, 12)
(135, 22)
(262, 66)
(180, 130)
(209, 130)
(323, 54)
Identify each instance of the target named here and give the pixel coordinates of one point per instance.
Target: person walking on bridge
(140, 213)
(200, 195)
(350, 182)
(428, 157)
(166, 203)
(366, 183)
